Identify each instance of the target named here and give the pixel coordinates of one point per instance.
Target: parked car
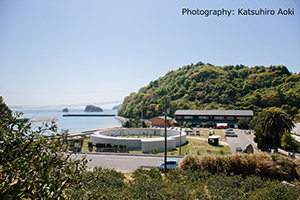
(190, 131)
(229, 129)
(230, 134)
(239, 149)
(171, 163)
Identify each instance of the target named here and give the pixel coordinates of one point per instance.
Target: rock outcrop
(65, 110)
(91, 108)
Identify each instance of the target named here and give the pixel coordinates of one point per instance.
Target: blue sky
(65, 53)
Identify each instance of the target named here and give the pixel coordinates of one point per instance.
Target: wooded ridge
(205, 86)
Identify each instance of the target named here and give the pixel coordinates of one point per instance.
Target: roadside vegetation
(177, 184)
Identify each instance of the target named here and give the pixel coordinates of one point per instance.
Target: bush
(32, 163)
(221, 151)
(277, 190)
(99, 183)
(90, 144)
(99, 144)
(269, 166)
(153, 150)
(108, 145)
(289, 143)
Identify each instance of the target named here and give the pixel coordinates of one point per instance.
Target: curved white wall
(114, 136)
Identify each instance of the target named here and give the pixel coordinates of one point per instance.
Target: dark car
(239, 149)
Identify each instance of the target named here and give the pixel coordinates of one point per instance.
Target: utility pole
(180, 141)
(165, 160)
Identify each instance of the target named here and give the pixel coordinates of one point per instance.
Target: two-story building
(212, 118)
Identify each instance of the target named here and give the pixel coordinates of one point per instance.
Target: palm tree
(273, 123)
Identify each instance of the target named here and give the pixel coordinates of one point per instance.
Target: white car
(230, 134)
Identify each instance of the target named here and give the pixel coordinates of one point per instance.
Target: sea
(73, 124)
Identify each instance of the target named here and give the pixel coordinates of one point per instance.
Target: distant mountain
(205, 86)
(91, 108)
(116, 107)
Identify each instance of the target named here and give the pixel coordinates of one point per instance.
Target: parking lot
(242, 140)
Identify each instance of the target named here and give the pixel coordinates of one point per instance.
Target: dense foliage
(289, 143)
(205, 86)
(177, 184)
(135, 123)
(272, 123)
(273, 166)
(32, 165)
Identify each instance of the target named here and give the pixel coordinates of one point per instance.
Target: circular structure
(116, 137)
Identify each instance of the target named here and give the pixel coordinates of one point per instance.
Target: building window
(219, 118)
(178, 117)
(230, 118)
(203, 117)
(188, 117)
(238, 118)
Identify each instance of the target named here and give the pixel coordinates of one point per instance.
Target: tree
(289, 143)
(272, 123)
(33, 165)
(243, 123)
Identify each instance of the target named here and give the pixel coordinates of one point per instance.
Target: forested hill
(205, 86)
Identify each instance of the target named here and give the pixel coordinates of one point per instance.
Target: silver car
(230, 134)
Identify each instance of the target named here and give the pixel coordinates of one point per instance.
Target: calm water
(73, 124)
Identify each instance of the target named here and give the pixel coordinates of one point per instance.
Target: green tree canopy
(272, 124)
(205, 86)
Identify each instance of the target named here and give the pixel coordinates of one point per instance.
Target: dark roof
(215, 112)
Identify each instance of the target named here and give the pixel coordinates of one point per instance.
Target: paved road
(125, 164)
(241, 141)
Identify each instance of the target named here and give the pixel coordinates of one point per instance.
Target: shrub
(99, 144)
(277, 190)
(90, 144)
(289, 143)
(33, 165)
(108, 145)
(99, 183)
(269, 166)
(153, 150)
(221, 151)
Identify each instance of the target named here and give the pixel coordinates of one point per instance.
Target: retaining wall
(115, 136)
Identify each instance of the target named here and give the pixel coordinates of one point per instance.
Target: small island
(65, 110)
(91, 108)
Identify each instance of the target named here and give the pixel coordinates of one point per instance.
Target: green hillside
(205, 86)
